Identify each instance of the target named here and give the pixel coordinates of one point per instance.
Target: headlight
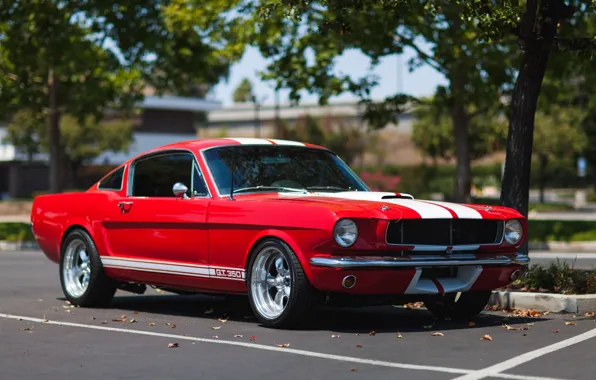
(513, 231)
(345, 232)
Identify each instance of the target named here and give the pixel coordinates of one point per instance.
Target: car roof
(200, 144)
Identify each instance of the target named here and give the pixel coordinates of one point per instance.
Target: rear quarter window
(112, 181)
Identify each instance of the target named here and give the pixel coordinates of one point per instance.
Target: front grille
(446, 232)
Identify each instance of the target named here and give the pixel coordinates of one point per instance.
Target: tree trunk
(542, 160)
(463, 171)
(515, 191)
(54, 134)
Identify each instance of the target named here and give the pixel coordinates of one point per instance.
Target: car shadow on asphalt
(341, 320)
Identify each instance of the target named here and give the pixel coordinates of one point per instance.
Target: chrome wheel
(271, 283)
(77, 268)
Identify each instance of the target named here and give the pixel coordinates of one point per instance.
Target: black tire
(100, 289)
(303, 300)
(469, 304)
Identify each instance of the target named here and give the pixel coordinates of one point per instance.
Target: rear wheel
(83, 280)
(467, 305)
(280, 295)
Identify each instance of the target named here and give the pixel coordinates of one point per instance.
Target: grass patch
(556, 277)
(16, 232)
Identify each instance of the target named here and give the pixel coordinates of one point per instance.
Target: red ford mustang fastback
(287, 223)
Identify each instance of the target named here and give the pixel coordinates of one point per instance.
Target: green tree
(347, 141)
(80, 142)
(243, 93)
(557, 134)
(55, 58)
(433, 133)
(477, 75)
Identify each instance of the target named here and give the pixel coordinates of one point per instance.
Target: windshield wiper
(266, 188)
(328, 188)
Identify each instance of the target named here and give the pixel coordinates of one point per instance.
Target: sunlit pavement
(218, 340)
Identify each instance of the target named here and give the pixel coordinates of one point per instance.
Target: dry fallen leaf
(437, 334)
(215, 337)
(238, 336)
(556, 331)
(471, 324)
(358, 346)
(507, 327)
(570, 323)
(67, 302)
(590, 314)
(223, 320)
(45, 320)
(398, 335)
(372, 333)
(104, 322)
(353, 370)
(132, 320)
(25, 329)
(151, 323)
(530, 324)
(486, 337)
(136, 313)
(173, 345)
(216, 327)
(284, 345)
(253, 338)
(335, 336)
(173, 326)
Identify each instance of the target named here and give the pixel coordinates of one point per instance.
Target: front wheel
(280, 295)
(83, 280)
(467, 305)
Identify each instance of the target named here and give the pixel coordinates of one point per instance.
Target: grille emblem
(384, 208)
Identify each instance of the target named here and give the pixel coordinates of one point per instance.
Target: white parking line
(495, 370)
(319, 355)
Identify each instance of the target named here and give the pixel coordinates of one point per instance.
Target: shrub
(556, 277)
(15, 232)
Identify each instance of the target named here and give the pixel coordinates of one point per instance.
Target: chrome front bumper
(421, 261)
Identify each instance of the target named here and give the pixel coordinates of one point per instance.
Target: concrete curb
(18, 245)
(555, 303)
(563, 246)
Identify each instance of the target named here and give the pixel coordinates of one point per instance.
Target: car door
(155, 236)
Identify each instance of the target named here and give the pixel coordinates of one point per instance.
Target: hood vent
(400, 196)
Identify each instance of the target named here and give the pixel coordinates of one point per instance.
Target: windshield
(279, 168)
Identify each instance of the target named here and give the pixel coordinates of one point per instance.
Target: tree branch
(422, 55)
(574, 44)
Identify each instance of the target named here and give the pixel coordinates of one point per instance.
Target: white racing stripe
(319, 355)
(251, 141)
(462, 212)
(286, 142)
(426, 210)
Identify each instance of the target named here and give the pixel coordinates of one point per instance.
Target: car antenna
(231, 197)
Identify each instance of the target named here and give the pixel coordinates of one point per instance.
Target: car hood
(388, 205)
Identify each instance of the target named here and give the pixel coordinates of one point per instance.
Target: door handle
(124, 207)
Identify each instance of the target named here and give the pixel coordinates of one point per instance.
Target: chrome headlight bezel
(513, 231)
(345, 232)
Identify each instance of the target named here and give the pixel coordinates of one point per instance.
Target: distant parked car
(287, 223)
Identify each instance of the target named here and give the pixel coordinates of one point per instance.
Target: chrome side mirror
(179, 189)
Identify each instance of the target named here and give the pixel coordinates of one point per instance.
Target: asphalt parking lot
(41, 335)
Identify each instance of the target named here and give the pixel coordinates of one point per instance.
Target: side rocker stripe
(165, 267)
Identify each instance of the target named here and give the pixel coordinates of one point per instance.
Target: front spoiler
(419, 261)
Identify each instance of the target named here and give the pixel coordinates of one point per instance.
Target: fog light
(515, 275)
(349, 281)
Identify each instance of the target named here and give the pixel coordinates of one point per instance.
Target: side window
(113, 181)
(154, 176)
(198, 183)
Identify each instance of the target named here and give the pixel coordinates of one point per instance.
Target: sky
(420, 82)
